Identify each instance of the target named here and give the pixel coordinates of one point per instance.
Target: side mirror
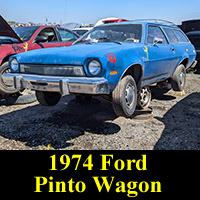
(157, 41)
(39, 39)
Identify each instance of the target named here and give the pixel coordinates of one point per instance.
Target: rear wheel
(124, 97)
(48, 98)
(178, 79)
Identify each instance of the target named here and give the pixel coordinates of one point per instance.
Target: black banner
(100, 175)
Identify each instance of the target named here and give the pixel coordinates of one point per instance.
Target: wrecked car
(22, 39)
(117, 61)
(194, 37)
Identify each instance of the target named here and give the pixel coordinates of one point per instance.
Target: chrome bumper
(193, 65)
(63, 85)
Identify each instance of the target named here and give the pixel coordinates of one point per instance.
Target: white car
(82, 31)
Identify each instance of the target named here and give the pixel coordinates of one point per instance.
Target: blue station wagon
(117, 61)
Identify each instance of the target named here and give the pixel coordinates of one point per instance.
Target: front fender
(123, 67)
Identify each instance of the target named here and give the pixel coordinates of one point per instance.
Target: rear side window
(180, 36)
(171, 35)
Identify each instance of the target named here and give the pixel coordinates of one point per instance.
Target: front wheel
(124, 97)
(5, 88)
(48, 98)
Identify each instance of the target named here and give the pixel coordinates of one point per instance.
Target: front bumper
(63, 85)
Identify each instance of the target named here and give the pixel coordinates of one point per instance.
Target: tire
(48, 98)
(19, 99)
(178, 79)
(84, 99)
(107, 97)
(5, 88)
(124, 97)
(144, 98)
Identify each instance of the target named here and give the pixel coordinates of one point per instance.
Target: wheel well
(136, 71)
(185, 62)
(6, 59)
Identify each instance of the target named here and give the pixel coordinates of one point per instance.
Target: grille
(54, 70)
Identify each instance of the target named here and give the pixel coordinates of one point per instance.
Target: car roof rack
(156, 20)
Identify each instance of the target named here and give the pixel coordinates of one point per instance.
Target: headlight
(94, 67)
(14, 64)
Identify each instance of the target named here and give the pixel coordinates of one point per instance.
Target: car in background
(109, 20)
(118, 61)
(82, 31)
(194, 37)
(190, 25)
(192, 29)
(22, 39)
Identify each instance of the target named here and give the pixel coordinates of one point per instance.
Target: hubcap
(182, 78)
(3, 81)
(129, 95)
(144, 96)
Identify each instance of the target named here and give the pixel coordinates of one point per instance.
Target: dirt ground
(175, 124)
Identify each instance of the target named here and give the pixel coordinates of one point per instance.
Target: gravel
(68, 125)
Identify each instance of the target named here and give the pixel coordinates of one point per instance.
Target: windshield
(114, 33)
(25, 33)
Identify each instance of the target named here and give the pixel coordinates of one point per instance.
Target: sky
(90, 11)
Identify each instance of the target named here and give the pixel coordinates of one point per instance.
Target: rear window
(171, 35)
(175, 36)
(180, 36)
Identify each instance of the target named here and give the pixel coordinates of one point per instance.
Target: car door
(160, 57)
(67, 36)
(181, 44)
(52, 39)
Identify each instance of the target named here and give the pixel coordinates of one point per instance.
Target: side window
(153, 33)
(50, 34)
(171, 35)
(181, 38)
(67, 36)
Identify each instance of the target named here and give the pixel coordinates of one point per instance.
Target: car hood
(75, 54)
(6, 30)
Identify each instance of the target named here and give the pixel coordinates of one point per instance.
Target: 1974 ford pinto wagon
(118, 61)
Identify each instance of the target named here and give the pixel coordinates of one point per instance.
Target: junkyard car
(23, 39)
(194, 37)
(118, 61)
(81, 31)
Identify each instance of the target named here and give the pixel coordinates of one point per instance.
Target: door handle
(172, 49)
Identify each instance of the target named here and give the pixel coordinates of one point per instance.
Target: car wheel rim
(182, 78)
(2, 79)
(129, 95)
(144, 97)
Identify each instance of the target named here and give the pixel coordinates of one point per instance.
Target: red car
(21, 39)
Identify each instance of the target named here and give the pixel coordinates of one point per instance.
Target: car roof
(144, 22)
(42, 26)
